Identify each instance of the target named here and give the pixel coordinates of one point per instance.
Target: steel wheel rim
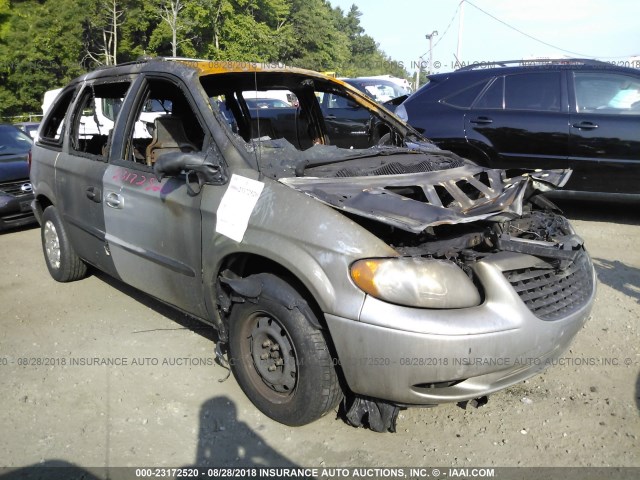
(52, 244)
(275, 369)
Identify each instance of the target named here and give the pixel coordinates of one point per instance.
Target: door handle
(481, 121)
(94, 194)
(114, 200)
(585, 125)
(330, 117)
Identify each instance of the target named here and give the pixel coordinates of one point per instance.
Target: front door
(605, 132)
(154, 227)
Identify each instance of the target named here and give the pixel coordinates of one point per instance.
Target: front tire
(63, 263)
(280, 359)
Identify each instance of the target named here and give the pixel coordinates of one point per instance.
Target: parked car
(397, 274)
(276, 94)
(351, 125)
(30, 128)
(15, 188)
(570, 113)
(266, 103)
(379, 88)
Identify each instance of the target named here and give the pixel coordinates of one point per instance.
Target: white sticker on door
(236, 206)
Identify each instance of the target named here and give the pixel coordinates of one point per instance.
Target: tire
(62, 261)
(279, 358)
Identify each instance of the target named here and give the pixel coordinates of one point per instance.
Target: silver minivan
(393, 275)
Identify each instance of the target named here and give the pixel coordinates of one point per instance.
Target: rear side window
(533, 91)
(52, 131)
(94, 117)
(493, 97)
(464, 98)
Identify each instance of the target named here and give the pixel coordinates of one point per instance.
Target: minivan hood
(415, 201)
(13, 167)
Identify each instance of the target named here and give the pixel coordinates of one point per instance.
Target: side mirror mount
(207, 169)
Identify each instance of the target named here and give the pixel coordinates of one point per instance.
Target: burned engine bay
(437, 205)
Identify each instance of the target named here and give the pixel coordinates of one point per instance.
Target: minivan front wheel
(280, 358)
(63, 263)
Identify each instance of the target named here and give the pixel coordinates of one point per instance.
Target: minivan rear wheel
(63, 263)
(280, 358)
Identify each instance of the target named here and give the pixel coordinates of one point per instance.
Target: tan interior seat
(168, 136)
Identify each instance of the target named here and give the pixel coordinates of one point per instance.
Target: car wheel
(62, 261)
(280, 359)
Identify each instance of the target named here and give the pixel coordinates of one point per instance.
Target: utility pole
(421, 60)
(460, 25)
(430, 38)
(418, 69)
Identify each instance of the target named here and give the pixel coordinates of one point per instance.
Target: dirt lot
(164, 406)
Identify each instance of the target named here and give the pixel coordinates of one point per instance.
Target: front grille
(15, 188)
(554, 294)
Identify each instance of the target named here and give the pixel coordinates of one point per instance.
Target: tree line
(46, 43)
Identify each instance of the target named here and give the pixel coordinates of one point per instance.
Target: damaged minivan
(333, 260)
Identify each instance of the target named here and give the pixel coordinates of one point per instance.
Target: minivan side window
(607, 93)
(53, 129)
(533, 91)
(94, 118)
(164, 122)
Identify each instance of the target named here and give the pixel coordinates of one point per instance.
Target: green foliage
(320, 45)
(42, 49)
(45, 43)
(140, 21)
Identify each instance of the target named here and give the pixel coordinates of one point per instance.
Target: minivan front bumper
(15, 204)
(416, 356)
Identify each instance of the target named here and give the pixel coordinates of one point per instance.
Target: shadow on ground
(638, 393)
(620, 276)
(183, 320)
(23, 228)
(223, 441)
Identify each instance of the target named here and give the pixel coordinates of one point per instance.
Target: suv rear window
(523, 91)
(464, 98)
(494, 96)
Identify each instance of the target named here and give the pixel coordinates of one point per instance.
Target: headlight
(416, 282)
(401, 112)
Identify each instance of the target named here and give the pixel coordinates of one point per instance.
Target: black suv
(582, 114)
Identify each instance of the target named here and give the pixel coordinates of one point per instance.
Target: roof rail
(185, 59)
(534, 62)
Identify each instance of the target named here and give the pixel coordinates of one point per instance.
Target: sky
(606, 30)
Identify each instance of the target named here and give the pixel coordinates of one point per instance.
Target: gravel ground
(163, 405)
